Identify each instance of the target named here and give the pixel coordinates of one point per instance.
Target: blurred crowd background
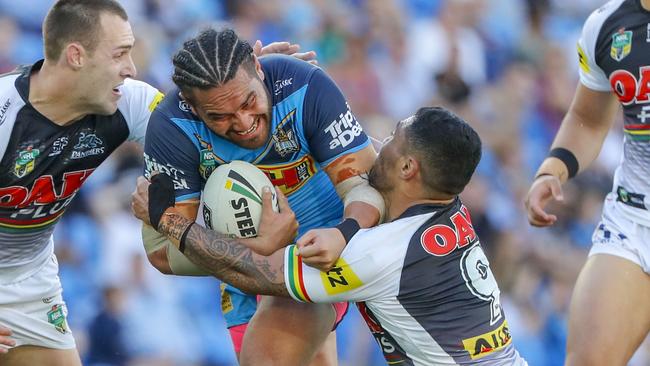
(508, 66)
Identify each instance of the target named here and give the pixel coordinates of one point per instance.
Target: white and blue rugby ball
(232, 199)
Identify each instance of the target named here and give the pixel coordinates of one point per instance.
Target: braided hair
(211, 59)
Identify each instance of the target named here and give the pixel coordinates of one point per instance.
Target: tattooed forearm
(228, 259)
(174, 225)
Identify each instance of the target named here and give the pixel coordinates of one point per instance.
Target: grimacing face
(239, 110)
(108, 66)
(383, 175)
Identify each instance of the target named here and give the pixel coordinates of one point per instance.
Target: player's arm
(279, 274)
(575, 147)
(363, 208)
(162, 254)
(338, 142)
(229, 259)
(582, 132)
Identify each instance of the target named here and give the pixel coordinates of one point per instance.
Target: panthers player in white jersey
(421, 280)
(608, 316)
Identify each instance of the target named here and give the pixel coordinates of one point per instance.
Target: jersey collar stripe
(295, 279)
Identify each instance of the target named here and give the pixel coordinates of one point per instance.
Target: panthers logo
(90, 141)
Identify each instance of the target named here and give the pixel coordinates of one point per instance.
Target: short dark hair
(76, 21)
(447, 148)
(211, 59)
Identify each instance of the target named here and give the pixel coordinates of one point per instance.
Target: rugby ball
(232, 199)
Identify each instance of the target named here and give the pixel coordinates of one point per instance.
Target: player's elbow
(159, 261)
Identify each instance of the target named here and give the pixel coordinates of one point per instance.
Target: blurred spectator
(106, 332)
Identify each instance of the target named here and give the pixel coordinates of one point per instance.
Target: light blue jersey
(311, 126)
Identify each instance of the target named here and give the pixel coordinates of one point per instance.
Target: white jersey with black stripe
(43, 165)
(423, 285)
(614, 54)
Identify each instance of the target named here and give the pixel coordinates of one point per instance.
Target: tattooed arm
(226, 258)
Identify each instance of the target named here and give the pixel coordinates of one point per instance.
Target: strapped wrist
(568, 158)
(181, 241)
(348, 228)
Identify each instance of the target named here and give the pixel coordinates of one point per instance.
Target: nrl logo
(207, 159)
(25, 162)
(621, 44)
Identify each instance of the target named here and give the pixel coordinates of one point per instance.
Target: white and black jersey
(43, 165)
(614, 53)
(423, 285)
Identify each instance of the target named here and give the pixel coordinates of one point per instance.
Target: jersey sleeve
(168, 150)
(591, 75)
(136, 104)
(330, 127)
(362, 273)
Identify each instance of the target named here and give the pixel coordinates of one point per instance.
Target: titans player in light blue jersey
(291, 120)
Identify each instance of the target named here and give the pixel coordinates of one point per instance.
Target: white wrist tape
(357, 189)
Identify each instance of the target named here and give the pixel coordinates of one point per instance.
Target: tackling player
(421, 281)
(608, 316)
(290, 119)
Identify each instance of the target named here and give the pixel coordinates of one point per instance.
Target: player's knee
(324, 357)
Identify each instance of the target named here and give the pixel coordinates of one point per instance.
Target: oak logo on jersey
(487, 343)
(621, 44)
(290, 177)
(630, 90)
(41, 205)
(285, 139)
(441, 239)
(25, 162)
(344, 130)
(87, 145)
(340, 278)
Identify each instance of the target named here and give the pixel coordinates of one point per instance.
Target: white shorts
(617, 235)
(31, 306)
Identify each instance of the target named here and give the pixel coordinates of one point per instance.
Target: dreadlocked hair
(211, 59)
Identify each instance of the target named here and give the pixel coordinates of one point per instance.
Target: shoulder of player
(8, 83)
(138, 99)
(285, 74)
(598, 17)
